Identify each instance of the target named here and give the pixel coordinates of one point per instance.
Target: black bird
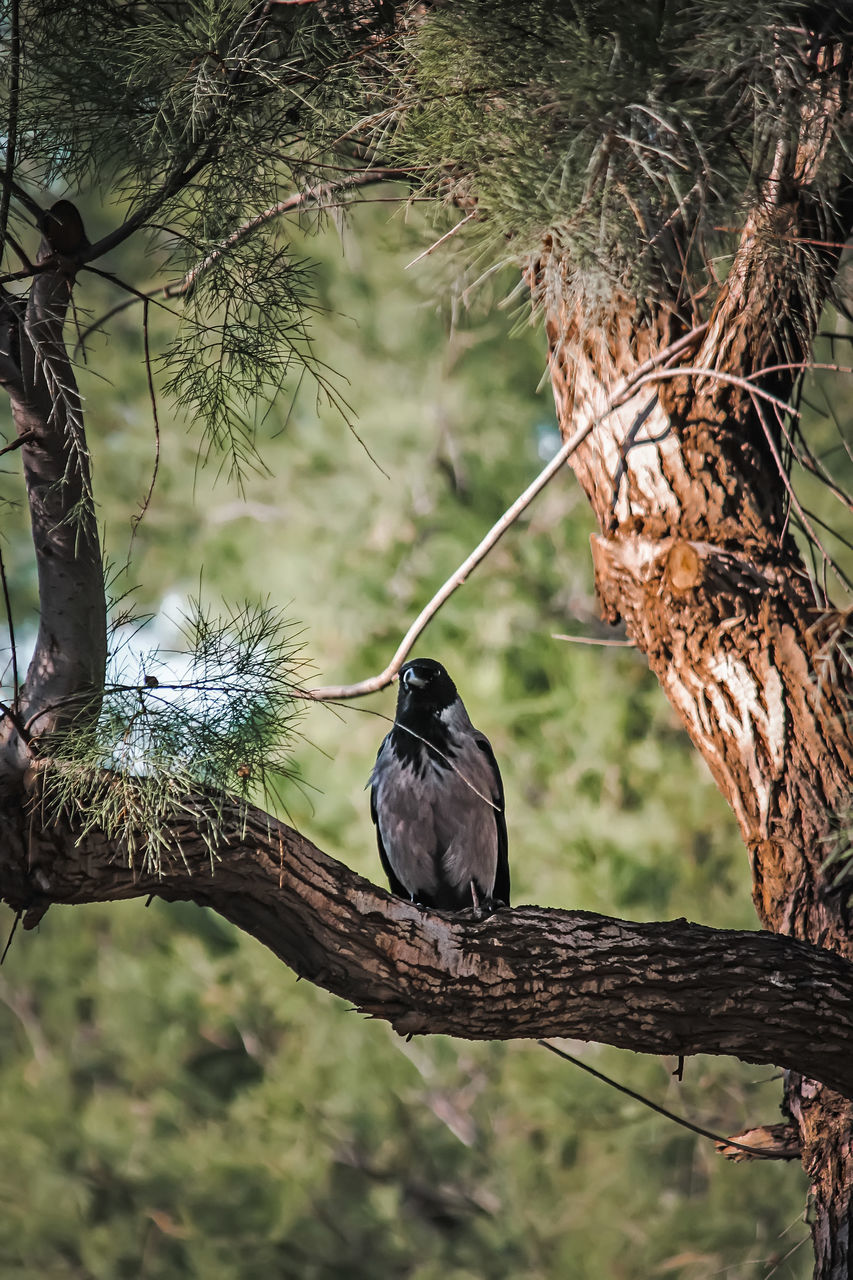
(437, 799)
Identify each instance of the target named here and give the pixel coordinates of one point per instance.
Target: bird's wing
(501, 889)
(397, 887)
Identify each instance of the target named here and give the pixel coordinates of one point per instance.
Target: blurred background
(172, 1102)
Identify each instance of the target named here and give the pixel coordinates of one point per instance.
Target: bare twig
(795, 502)
(698, 371)
(11, 626)
(336, 693)
(15, 720)
(31, 205)
(441, 240)
(756, 1152)
(24, 438)
(809, 462)
(137, 519)
(604, 642)
(15, 923)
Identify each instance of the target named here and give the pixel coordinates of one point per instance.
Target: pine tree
(673, 185)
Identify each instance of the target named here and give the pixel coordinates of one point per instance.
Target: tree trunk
(65, 679)
(693, 552)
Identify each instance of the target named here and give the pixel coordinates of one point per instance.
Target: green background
(172, 1102)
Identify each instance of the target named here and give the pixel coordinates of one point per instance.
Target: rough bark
(66, 674)
(670, 987)
(693, 553)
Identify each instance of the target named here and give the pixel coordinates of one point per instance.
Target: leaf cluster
(192, 116)
(633, 136)
(181, 731)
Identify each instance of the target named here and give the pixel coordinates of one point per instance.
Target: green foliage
(629, 136)
(193, 116)
(180, 732)
(173, 1102)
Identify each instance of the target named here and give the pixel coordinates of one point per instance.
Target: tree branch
(663, 988)
(336, 693)
(312, 196)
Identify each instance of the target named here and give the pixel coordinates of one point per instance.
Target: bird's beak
(413, 681)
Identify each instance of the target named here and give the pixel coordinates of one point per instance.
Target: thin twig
(758, 1152)
(694, 371)
(15, 719)
(790, 365)
(809, 462)
(137, 519)
(373, 684)
(795, 502)
(11, 625)
(15, 922)
(441, 240)
(24, 438)
(605, 643)
(19, 250)
(31, 205)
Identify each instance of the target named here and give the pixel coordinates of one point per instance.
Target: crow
(437, 800)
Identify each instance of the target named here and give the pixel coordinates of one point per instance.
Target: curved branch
(337, 693)
(671, 987)
(312, 196)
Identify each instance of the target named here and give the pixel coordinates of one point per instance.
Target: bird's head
(426, 686)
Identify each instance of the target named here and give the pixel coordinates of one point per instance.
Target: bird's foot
(488, 907)
(484, 907)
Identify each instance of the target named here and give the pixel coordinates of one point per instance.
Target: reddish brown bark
(671, 987)
(694, 555)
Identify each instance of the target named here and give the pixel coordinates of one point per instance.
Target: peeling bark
(693, 553)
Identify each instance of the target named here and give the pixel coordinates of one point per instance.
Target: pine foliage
(193, 116)
(180, 731)
(634, 136)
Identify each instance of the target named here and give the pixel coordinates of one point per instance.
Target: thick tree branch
(672, 987)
